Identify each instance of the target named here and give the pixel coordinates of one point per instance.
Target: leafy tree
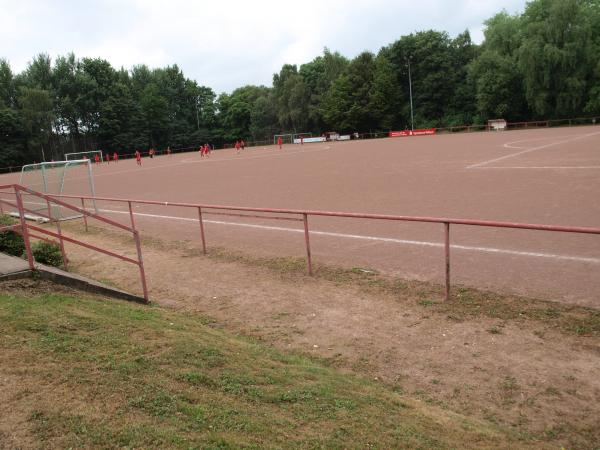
(236, 111)
(122, 123)
(155, 109)
(554, 57)
(347, 104)
(495, 75)
(7, 85)
(38, 113)
(386, 97)
(263, 117)
(66, 77)
(292, 95)
(13, 139)
(318, 76)
(38, 73)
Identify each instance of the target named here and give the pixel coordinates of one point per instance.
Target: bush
(11, 242)
(47, 253)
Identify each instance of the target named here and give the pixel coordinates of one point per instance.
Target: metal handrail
(24, 228)
(305, 214)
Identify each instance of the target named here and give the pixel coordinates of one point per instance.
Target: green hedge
(10, 241)
(47, 253)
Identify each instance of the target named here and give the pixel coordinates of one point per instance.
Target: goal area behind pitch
(289, 138)
(59, 178)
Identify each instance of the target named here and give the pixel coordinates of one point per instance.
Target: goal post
(73, 177)
(302, 135)
(84, 155)
(285, 138)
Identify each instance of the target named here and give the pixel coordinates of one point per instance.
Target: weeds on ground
(466, 303)
(111, 374)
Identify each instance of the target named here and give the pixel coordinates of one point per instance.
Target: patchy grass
(93, 373)
(467, 303)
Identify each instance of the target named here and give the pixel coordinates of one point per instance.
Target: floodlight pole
(197, 117)
(412, 117)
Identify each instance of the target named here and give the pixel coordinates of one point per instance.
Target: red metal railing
(303, 215)
(25, 229)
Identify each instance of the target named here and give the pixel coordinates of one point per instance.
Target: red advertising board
(421, 132)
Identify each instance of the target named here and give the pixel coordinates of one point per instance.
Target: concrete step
(12, 268)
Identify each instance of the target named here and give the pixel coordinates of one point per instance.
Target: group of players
(138, 156)
(239, 145)
(204, 150)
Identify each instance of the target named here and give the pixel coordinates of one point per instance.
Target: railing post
(202, 230)
(307, 240)
(138, 245)
(58, 231)
(447, 250)
(84, 215)
(131, 215)
(24, 230)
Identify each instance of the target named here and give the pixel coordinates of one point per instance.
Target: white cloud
(227, 43)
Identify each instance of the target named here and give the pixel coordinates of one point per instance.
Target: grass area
(93, 373)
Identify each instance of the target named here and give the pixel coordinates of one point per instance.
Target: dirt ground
(515, 362)
(547, 176)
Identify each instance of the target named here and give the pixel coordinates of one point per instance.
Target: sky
(225, 44)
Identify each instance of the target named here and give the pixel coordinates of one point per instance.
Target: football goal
(84, 155)
(285, 138)
(59, 178)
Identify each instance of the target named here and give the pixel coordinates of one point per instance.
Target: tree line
(541, 64)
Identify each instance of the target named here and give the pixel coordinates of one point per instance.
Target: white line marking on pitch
(552, 144)
(542, 167)
(510, 144)
(376, 238)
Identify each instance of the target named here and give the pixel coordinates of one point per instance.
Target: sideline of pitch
(493, 250)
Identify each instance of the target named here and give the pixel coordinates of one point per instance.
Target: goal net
(285, 138)
(58, 178)
(84, 155)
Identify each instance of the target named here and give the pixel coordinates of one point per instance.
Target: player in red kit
(237, 147)
(138, 157)
(115, 157)
(279, 142)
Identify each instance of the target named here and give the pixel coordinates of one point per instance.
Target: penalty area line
(533, 149)
(470, 248)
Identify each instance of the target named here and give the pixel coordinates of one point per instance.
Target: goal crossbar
(78, 156)
(53, 178)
